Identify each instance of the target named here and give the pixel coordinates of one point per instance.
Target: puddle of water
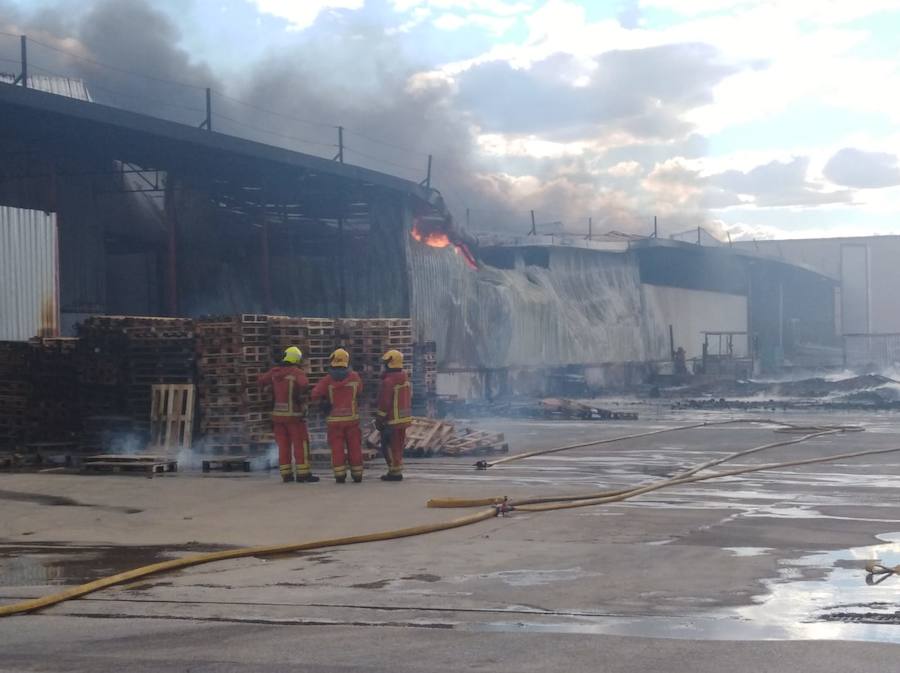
(59, 501)
(748, 551)
(529, 578)
(52, 564)
(838, 604)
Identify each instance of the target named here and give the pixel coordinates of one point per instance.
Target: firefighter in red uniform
(289, 385)
(339, 393)
(394, 413)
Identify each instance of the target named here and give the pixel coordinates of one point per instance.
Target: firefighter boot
(391, 476)
(309, 478)
(341, 479)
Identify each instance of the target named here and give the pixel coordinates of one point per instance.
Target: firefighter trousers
(292, 438)
(396, 443)
(345, 441)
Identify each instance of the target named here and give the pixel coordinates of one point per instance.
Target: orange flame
(436, 239)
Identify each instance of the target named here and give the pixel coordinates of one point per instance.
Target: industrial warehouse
(660, 443)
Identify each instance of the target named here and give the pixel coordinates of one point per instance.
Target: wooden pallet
(120, 464)
(426, 437)
(475, 442)
(229, 464)
(172, 417)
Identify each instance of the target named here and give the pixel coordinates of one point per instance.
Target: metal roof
(83, 127)
(61, 86)
(656, 243)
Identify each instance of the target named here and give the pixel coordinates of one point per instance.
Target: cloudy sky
(758, 118)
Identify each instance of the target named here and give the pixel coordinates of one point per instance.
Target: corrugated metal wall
(585, 308)
(29, 286)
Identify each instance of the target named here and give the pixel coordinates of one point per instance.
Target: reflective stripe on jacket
(343, 396)
(395, 398)
(289, 386)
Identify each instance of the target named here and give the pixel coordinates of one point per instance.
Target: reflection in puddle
(529, 578)
(823, 596)
(60, 564)
(748, 551)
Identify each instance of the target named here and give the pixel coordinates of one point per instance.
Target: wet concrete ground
(668, 581)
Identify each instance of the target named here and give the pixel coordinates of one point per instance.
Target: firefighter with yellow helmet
(338, 393)
(394, 414)
(289, 386)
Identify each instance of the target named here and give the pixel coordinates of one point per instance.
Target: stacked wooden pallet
(38, 391)
(367, 340)
(53, 414)
(424, 378)
(234, 413)
(15, 391)
(126, 355)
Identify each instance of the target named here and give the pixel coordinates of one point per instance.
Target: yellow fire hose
(783, 427)
(498, 506)
(678, 481)
(198, 559)
(814, 431)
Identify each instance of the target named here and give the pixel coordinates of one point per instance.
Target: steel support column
(171, 247)
(265, 264)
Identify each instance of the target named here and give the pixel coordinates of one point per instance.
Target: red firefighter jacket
(342, 395)
(289, 386)
(395, 398)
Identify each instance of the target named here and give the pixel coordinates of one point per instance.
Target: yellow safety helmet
(293, 355)
(393, 359)
(340, 358)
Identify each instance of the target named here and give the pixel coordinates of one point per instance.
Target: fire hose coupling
(482, 465)
(503, 508)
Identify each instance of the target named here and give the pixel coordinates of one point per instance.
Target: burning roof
(437, 228)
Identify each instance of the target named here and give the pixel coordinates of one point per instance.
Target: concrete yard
(762, 572)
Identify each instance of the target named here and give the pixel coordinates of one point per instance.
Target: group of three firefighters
(338, 395)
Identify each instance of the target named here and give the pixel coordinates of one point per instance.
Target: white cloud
(301, 14)
(495, 7)
(624, 169)
(528, 146)
(449, 22)
(772, 56)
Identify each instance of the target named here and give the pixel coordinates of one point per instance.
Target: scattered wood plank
(428, 437)
(561, 408)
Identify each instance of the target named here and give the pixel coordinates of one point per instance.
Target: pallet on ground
(426, 437)
(475, 442)
(229, 464)
(117, 464)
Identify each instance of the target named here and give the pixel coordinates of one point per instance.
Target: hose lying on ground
(687, 480)
(452, 502)
(560, 502)
(782, 427)
(198, 559)
(814, 431)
